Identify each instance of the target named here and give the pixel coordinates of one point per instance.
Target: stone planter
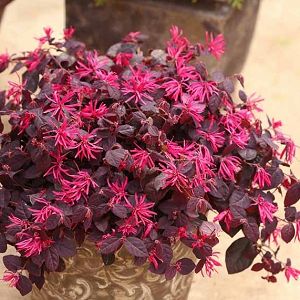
(87, 278)
(3, 3)
(102, 26)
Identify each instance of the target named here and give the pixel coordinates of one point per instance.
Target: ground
(272, 70)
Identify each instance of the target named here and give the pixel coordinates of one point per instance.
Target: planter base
(86, 278)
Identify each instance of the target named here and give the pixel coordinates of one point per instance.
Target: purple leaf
(39, 281)
(115, 157)
(290, 213)
(293, 195)
(136, 247)
(108, 259)
(170, 272)
(251, 230)
(288, 232)
(239, 255)
(51, 259)
(110, 245)
(24, 285)
(214, 103)
(3, 243)
(12, 262)
(186, 266)
(120, 211)
(52, 222)
(126, 130)
(66, 247)
(247, 153)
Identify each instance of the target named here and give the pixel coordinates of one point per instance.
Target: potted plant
(100, 26)
(119, 172)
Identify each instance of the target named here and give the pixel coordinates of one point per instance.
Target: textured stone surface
(87, 278)
(105, 25)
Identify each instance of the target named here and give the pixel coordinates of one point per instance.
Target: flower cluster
(142, 152)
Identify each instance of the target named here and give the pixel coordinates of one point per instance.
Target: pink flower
(186, 72)
(215, 139)
(83, 181)
(123, 59)
(86, 148)
(33, 60)
(173, 177)
(225, 216)
(262, 177)
(17, 222)
(266, 209)
(291, 272)
(69, 32)
(93, 64)
(15, 92)
(60, 106)
(33, 245)
(41, 215)
(252, 103)
(142, 159)
(215, 46)
(91, 111)
(80, 186)
(108, 78)
(128, 227)
(190, 109)
(289, 150)
(174, 150)
(132, 37)
(64, 135)
(273, 237)
(202, 90)
(57, 169)
(240, 137)
(11, 277)
(210, 265)
(25, 121)
(48, 32)
(173, 88)
(139, 86)
(141, 210)
(4, 61)
(119, 190)
(229, 166)
(155, 258)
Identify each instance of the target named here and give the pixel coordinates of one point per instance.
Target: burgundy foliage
(140, 151)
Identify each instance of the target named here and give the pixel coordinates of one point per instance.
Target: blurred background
(272, 70)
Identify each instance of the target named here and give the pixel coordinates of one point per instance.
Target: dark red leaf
(110, 245)
(239, 255)
(51, 259)
(257, 267)
(12, 262)
(251, 230)
(24, 285)
(293, 195)
(120, 211)
(186, 266)
(3, 243)
(288, 232)
(170, 272)
(115, 157)
(136, 247)
(66, 247)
